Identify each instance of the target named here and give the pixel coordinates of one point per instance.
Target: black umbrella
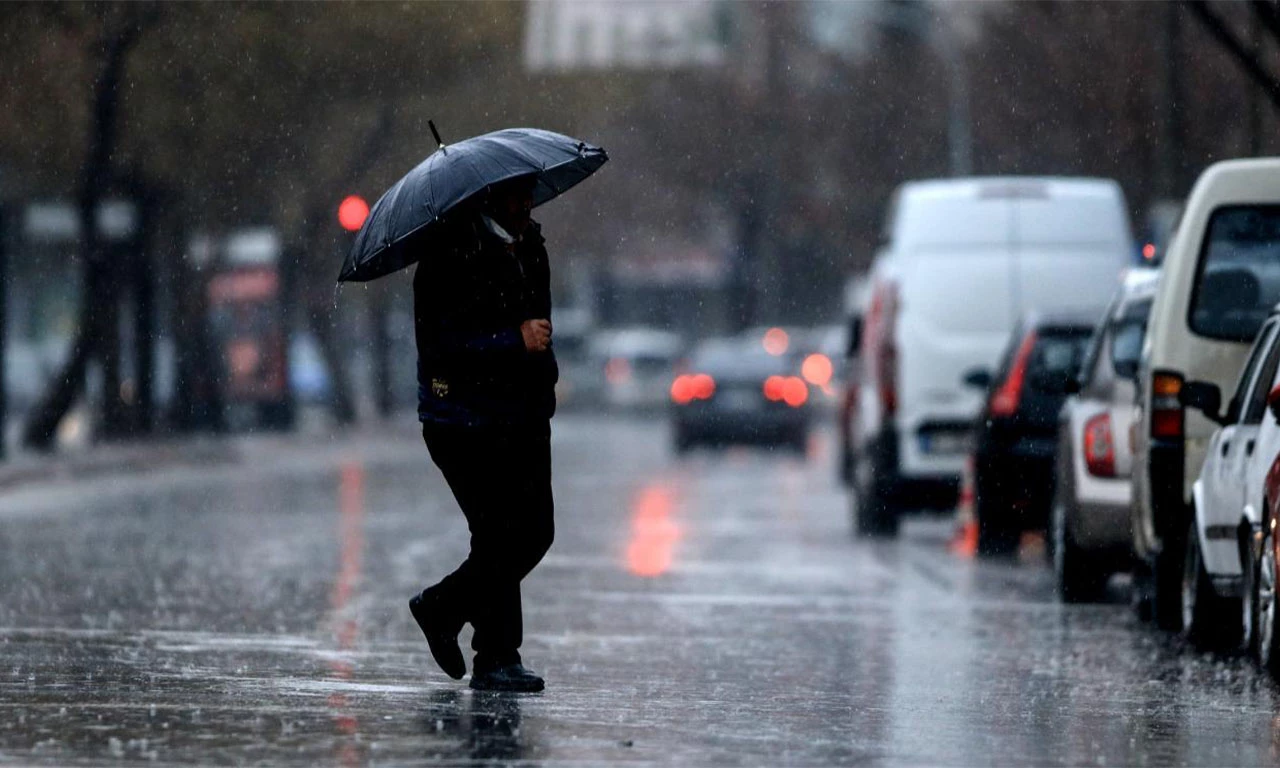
(400, 224)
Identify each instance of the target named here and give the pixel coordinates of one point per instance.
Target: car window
(1238, 279)
(1257, 401)
(1055, 357)
(1128, 331)
(1240, 395)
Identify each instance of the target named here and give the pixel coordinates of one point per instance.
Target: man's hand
(537, 335)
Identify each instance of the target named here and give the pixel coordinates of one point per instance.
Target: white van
(1221, 277)
(964, 260)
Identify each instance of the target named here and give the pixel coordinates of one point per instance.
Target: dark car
(1015, 440)
(736, 392)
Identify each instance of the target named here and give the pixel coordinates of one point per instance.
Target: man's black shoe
(513, 678)
(442, 634)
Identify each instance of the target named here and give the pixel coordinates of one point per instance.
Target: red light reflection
(351, 542)
(653, 533)
(776, 341)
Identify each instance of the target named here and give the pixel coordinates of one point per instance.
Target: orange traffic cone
(965, 540)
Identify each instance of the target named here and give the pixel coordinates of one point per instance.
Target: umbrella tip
(436, 134)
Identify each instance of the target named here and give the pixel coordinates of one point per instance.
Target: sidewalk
(373, 439)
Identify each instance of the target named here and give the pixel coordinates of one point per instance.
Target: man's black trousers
(501, 477)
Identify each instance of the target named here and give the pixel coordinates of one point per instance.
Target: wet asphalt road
(710, 610)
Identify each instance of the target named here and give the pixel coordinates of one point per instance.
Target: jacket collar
(496, 230)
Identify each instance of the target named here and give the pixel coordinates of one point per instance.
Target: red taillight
(1099, 446)
(794, 391)
(881, 319)
(817, 369)
(689, 387)
(703, 386)
(1005, 400)
(617, 370)
(1166, 409)
(773, 387)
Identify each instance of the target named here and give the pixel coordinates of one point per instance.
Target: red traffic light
(352, 213)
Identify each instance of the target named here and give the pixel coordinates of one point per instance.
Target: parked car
(1089, 518)
(1226, 502)
(737, 392)
(1219, 279)
(965, 259)
(633, 366)
(1016, 432)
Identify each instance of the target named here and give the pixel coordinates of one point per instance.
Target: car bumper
(713, 423)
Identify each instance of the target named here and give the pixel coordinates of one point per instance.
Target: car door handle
(1226, 447)
(1248, 448)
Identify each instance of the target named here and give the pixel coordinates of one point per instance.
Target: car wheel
(1080, 578)
(875, 512)
(1265, 612)
(997, 537)
(1248, 601)
(1210, 621)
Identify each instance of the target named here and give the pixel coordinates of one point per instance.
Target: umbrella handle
(431, 124)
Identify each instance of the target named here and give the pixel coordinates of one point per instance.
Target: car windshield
(1239, 276)
(1056, 356)
(741, 360)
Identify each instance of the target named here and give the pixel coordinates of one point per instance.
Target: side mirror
(1073, 385)
(1204, 397)
(1273, 403)
(1126, 368)
(978, 378)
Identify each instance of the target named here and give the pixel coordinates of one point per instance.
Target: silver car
(1089, 524)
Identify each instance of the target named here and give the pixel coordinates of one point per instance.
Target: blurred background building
(754, 149)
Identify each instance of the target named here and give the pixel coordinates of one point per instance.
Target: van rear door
(1070, 251)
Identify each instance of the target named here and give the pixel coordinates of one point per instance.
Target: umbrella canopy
(400, 224)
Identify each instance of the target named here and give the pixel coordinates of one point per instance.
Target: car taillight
(787, 389)
(1099, 446)
(617, 371)
(1166, 409)
(773, 388)
(1004, 402)
(689, 387)
(817, 369)
(883, 315)
(795, 392)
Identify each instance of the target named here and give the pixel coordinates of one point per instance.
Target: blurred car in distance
(571, 327)
(964, 260)
(1089, 519)
(734, 391)
(1015, 441)
(632, 367)
(1220, 277)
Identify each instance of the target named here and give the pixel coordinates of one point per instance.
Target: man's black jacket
(470, 296)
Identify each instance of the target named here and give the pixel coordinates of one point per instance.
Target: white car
(1219, 280)
(1089, 521)
(965, 260)
(1223, 519)
(634, 366)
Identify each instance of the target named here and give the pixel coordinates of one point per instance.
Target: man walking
(486, 394)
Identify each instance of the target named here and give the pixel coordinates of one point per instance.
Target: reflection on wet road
(708, 609)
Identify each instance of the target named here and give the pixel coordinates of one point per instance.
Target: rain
(911, 367)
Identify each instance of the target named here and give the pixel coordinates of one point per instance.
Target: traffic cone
(965, 540)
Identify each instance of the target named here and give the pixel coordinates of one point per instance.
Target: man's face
(514, 207)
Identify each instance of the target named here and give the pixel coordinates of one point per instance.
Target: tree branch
(1252, 65)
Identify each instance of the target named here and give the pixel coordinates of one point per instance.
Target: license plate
(738, 401)
(945, 442)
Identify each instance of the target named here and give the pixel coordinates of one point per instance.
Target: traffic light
(352, 213)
